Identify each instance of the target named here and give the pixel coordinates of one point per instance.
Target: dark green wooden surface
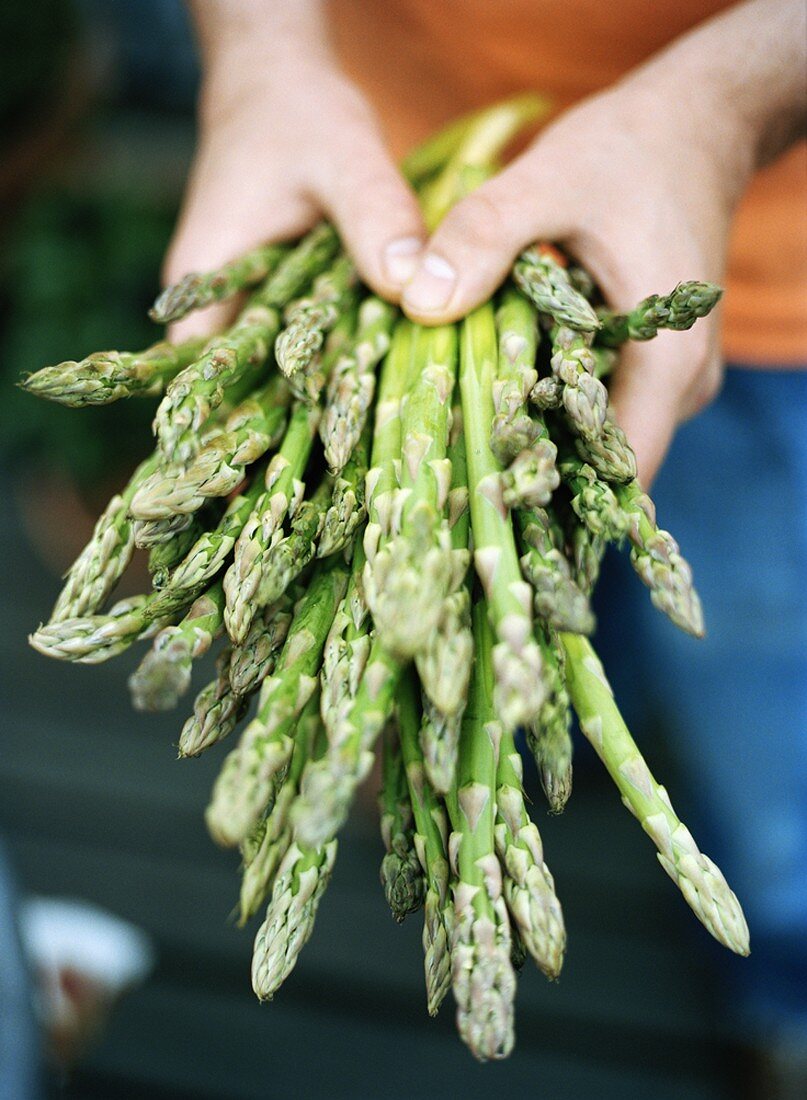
(95, 805)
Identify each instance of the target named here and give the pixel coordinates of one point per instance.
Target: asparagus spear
(351, 385)
(264, 527)
(583, 396)
(411, 572)
(254, 659)
(106, 376)
(517, 325)
(678, 310)
(252, 771)
(196, 391)
(431, 844)
(217, 710)
(401, 872)
(346, 511)
(288, 557)
(199, 289)
(305, 262)
(700, 881)
(516, 656)
(557, 598)
(273, 834)
(610, 453)
(532, 476)
(593, 501)
(546, 283)
(309, 320)
(445, 664)
(528, 886)
(657, 560)
(307, 384)
(96, 638)
(481, 972)
(164, 557)
(104, 559)
(164, 674)
(157, 532)
(301, 880)
(254, 426)
(549, 738)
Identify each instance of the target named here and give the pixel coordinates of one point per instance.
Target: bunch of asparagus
(395, 530)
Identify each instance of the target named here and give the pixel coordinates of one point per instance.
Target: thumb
(474, 246)
(376, 212)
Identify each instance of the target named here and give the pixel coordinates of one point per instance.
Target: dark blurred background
(96, 102)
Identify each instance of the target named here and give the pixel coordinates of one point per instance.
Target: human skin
(639, 182)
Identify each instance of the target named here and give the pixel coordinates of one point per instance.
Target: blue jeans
(734, 494)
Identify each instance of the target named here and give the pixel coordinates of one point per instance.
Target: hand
(642, 205)
(639, 184)
(285, 139)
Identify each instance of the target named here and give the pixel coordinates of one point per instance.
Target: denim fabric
(734, 705)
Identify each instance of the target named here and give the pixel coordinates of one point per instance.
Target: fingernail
(432, 286)
(401, 259)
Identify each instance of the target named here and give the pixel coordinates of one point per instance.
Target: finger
(376, 212)
(224, 216)
(474, 246)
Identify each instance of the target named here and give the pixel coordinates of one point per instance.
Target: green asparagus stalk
(104, 559)
(678, 310)
(550, 739)
(593, 501)
(528, 886)
(164, 674)
(700, 881)
(532, 476)
(546, 283)
(298, 268)
(516, 656)
(445, 664)
(301, 880)
(328, 785)
(309, 320)
(557, 598)
(481, 972)
(96, 638)
(264, 527)
(583, 395)
(411, 572)
(200, 289)
(547, 393)
(251, 773)
(164, 557)
(657, 559)
(431, 844)
(199, 389)
(156, 532)
(401, 872)
(513, 428)
(217, 710)
(107, 376)
(253, 428)
(254, 659)
(288, 557)
(273, 834)
(351, 384)
(347, 511)
(610, 453)
(307, 384)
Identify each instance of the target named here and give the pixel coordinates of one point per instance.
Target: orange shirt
(423, 62)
